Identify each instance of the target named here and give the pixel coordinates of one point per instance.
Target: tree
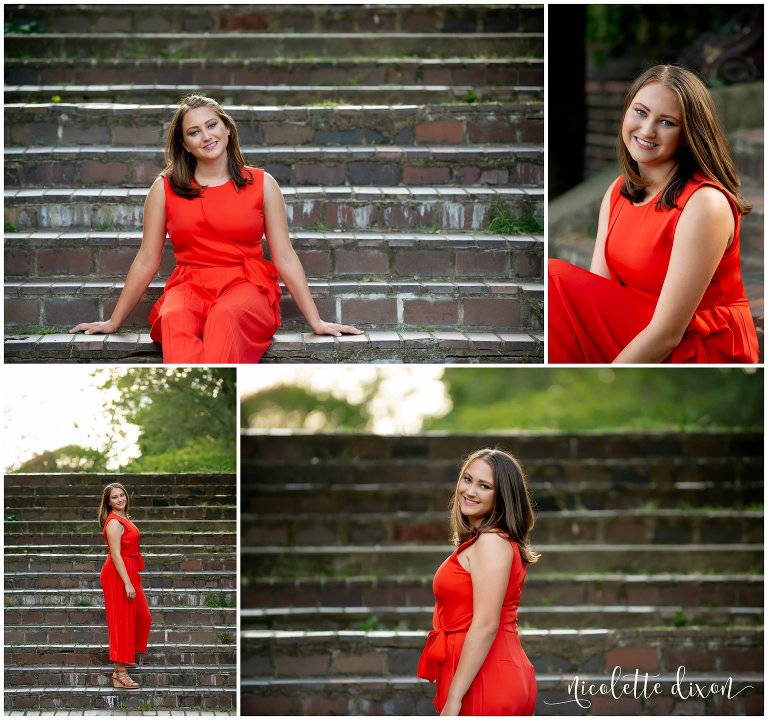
(186, 416)
(67, 459)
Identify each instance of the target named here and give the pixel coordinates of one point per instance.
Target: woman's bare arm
(288, 263)
(144, 267)
(489, 565)
(115, 531)
(599, 265)
(704, 231)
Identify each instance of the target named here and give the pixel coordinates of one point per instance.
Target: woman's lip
(210, 145)
(645, 144)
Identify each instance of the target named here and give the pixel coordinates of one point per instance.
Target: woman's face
(204, 134)
(652, 130)
(477, 488)
(118, 500)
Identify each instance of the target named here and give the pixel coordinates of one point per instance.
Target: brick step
(119, 701)
(172, 618)
(156, 597)
(87, 634)
(60, 560)
(221, 512)
(366, 208)
(263, 446)
(20, 499)
(270, 95)
(71, 654)
(150, 529)
(225, 72)
(541, 590)
(409, 695)
(280, 18)
(331, 560)
(579, 526)
(55, 581)
(197, 45)
(425, 497)
(461, 124)
(332, 255)
(151, 483)
(107, 166)
(392, 345)
(171, 538)
(160, 678)
(557, 616)
(748, 150)
(282, 654)
(413, 304)
(539, 468)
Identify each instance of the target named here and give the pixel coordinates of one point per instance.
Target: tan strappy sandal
(123, 680)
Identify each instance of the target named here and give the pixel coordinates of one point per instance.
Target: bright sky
(408, 393)
(45, 408)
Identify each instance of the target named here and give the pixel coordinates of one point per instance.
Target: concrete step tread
(148, 552)
(365, 192)
(320, 611)
(154, 647)
(143, 670)
(420, 287)
(261, 37)
(410, 549)
(80, 690)
(68, 593)
(386, 152)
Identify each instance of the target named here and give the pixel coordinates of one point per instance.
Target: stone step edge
(394, 239)
(80, 690)
(49, 551)
(432, 151)
(284, 637)
(361, 192)
(142, 670)
(326, 610)
(407, 549)
(289, 341)
(150, 592)
(538, 578)
(197, 610)
(251, 36)
(153, 647)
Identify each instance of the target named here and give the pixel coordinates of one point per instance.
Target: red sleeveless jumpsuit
(128, 621)
(506, 682)
(591, 319)
(222, 302)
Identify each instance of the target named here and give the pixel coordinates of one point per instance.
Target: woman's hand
(326, 328)
(105, 327)
(452, 708)
(130, 591)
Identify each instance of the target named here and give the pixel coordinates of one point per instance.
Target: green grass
(470, 96)
(27, 28)
(504, 221)
(219, 601)
(9, 227)
(83, 603)
(372, 623)
(226, 638)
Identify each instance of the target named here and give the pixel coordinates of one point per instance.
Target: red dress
(128, 621)
(591, 319)
(222, 302)
(506, 682)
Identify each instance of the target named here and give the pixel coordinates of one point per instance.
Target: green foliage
(22, 28)
(186, 416)
(10, 518)
(658, 31)
(503, 221)
(566, 399)
(219, 601)
(470, 96)
(299, 408)
(9, 227)
(680, 620)
(226, 638)
(69, 459)
(370, 624)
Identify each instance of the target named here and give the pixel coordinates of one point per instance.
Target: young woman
(665, 283)
(474, 653)
(222, 302)
(128, 617)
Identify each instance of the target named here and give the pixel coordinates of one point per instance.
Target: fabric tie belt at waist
(434, 653)
(125, 554)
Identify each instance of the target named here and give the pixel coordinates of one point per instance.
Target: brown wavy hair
(180, 165)
(704, 146)
(512, 511)
(105, 508)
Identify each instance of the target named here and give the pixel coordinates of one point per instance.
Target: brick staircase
(395, 132)
(652, 558)
(573, 216)
(56, 644)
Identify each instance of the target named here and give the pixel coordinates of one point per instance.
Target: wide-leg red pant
(128, 621)
(590, 319)
(214, 315)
